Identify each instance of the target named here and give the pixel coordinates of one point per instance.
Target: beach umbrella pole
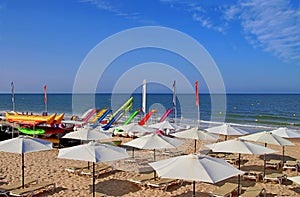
(195, 146)
(132, 152)
(239, 176)
(265, 162)
(23, 170)
(264, 165)
(282, 155)
(154, 160)
(93, 179)
(194, 188)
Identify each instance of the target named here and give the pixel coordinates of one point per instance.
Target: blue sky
(255, 43)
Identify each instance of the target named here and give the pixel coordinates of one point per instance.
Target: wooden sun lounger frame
(275, 177)
(5, 189)
(253, 175)
(163, 183)
(29, 191)
(225, 190)
(141, 179)
(274, 164)
(291, 165)
(99, 169)
(76, 169)
(254, 192)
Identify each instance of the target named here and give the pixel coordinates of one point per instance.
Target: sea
(252, 111)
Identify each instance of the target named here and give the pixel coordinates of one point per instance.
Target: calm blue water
(252, 109)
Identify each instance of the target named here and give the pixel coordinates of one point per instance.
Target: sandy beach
(45, 166)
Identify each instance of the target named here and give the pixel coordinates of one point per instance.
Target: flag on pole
(144, 96)
(197, 93)
(174, 94)
(45, 94)
(12, 92)
(174, 100)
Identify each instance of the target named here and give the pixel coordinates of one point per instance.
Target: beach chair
(76, 169)
(141, 179)
(30, 191)
(163, 183)
(228, 189)
(278, 177)
(252, 175)
(291, 165)
(274, 164)
(254, 192)
(5, 189)
(232, 159)
(99, 169)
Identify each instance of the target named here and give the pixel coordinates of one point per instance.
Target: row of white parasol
(95, 152)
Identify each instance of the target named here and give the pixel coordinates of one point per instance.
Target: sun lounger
(274, 164)
(252, 175)
(232, 159)
(4, 189)
(254, 192)
(291, 165)
(142, 178)
(99, 168)
(275, 177)
(76, 169)
(29, 191)
(228, 189)
(163, 183)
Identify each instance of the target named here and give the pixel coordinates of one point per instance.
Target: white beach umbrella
(295, 179)
(268, 138)
(196, 134)
(93, 152)
(195, 168)
(22, 145)
(240, 147)
(135, 128)
(154, 141)
(165, 125)
(226, 130)
(286, 132)
(87, 134)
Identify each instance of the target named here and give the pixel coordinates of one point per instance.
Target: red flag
(45, 94)
(197, 93)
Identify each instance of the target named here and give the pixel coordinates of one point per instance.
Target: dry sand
(46, 167)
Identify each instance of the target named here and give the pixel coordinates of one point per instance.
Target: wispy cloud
(272, 26)
(206, 14)
(113, 8)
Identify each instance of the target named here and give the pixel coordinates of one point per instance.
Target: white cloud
(108, 6)
(272, 26)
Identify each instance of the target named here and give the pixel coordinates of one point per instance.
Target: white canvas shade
(87, 134)
(135, 128)
(22, 145)
(268, 138)
(154, 141)
(165, 125)
(240, 147)
(195, 168)
(226, 130)
(286, 132)
(295, 179)
(196, 134)
(93, 152)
